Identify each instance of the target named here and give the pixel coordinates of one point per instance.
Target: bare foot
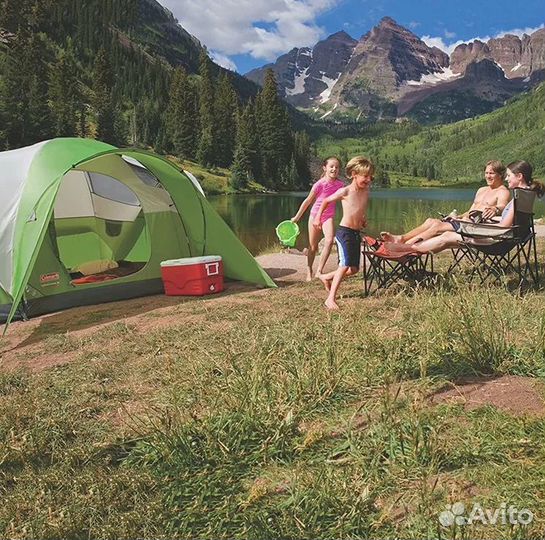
(331, 304)
(389, 237)
(309, 275)
(326, 282)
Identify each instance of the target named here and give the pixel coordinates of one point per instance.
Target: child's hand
(316, 224)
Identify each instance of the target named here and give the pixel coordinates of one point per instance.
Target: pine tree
(160, 141)
(103, 102)
(206, 152)
(225, 106)
(23, 97)
(82, 120)
(181, 116)
(65, 100)
(430, 173)
(239, 170)
(14, 91)
(301, 154)
(246, 152)
(343, 156)
(293, 176)
(275, 131)
(14, 14)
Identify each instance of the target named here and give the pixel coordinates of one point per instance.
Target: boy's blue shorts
(348, 246)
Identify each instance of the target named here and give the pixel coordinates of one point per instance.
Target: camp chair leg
(496, 266)
(383, 272)
(367, 277)
(459, 254)
(534, 251)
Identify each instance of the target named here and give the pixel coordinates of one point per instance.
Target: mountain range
(390, 73)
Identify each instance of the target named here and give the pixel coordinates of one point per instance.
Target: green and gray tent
(70, 205)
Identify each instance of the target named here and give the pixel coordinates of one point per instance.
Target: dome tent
(68, 202)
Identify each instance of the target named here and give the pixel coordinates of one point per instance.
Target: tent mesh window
(112, 189)
(142, 173)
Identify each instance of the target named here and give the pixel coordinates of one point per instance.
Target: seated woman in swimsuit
(519, 175)
(490, 200)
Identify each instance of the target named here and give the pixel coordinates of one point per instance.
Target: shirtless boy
(354, 200)
(490, 200)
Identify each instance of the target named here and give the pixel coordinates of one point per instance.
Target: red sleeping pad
(95, 278)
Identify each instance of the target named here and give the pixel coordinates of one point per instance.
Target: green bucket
(287, 233)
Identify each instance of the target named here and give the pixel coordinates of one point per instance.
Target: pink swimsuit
(323, 189)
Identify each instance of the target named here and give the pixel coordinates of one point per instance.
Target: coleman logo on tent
(49, 279)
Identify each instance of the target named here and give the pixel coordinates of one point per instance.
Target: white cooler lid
(191, 260)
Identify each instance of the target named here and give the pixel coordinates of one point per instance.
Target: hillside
(454, 153)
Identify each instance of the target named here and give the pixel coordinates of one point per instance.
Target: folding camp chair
(494, 251)
(383, 268)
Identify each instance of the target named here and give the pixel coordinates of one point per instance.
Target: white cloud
(448, 48)
(440, 44)
(450, 35)
(222, 60)
(261, 28)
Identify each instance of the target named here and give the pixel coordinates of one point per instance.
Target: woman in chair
(489, 201)
(519, 175)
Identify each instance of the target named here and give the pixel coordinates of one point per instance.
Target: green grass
(261, 416)
(213, 181)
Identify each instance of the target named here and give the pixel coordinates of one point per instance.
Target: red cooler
(193, 276)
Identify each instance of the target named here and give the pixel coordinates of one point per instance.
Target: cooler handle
(212, 269)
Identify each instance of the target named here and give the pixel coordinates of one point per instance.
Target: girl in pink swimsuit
(326, 186)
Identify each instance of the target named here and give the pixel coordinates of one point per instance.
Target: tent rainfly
(83, 222)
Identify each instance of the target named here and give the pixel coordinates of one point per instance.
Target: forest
(101, 69)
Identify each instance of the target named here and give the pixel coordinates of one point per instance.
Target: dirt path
(27, 343)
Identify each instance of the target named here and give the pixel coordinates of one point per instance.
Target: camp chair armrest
(486, 230)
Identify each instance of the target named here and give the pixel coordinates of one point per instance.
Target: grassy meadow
(215, 180)
(257, 414)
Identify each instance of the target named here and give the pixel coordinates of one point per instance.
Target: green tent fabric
(68, 201)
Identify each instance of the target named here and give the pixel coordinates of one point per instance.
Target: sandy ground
(519, 396)
(291, 265)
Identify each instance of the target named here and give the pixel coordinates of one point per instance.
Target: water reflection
(254, 217)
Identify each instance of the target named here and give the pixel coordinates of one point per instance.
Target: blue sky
(244, 34)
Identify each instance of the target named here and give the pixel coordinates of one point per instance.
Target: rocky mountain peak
(518, 57)
(484, 70)
(390, 69)
(389, 54)
(305, 76)
(388, 22)
(342, 35)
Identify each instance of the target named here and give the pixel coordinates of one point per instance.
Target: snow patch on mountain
(324, 96)
(298, 84)
(446, 74)
(328, 112)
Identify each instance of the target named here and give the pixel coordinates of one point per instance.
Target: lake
(254, 217)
